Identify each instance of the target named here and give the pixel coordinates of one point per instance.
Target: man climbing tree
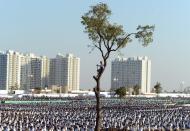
(100, 67)
(108, 38)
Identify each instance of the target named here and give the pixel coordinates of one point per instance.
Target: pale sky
(47, 27)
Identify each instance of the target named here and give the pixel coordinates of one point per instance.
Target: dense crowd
(76, 114)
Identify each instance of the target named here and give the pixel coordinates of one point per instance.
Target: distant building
(34, 71)
(27, 71)
(3, 71)
(13, 69)
(10, 70)
(36, 64)
(65, 71)
(52, 72)
(45, 64)
(75, 73)
(130, 72)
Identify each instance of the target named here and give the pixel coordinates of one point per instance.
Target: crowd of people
(76, 114)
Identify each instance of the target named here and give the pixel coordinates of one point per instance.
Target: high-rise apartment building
(10, 70)
(36, 64)
(52, 72)
(45, 63)
(34, 71)
(72, 72)
(65, 71)
(3, 71)
(60, 71)
(130, 72)
(75, 73)
(13, 65)
(27, 71)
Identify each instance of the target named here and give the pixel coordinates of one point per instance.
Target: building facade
(131, 72)
(72, 74)
(14, 71)
(27, 71)
(52, 72)
(45, 64)
(10, 69)
(3, 71)
(65, 71)
(36, 64)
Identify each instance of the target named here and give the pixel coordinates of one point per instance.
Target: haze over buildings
(27, 71)
(131, 72)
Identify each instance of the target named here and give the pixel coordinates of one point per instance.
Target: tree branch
(123, 41)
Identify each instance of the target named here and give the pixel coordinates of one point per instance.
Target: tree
(158, 88)
(13, 88)
(136, 89)
(121, 92)
(108, 38)
(37, 90)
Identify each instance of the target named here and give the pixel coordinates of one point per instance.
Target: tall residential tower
(65, 71)
(27, 71)
(130, 72)
(3, 71)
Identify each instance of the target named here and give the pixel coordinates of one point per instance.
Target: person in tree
(108, 38)
(100, 67)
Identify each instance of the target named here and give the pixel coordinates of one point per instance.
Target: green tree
(121, 92)
(108, 38)
(158, 88)
(136, 89)
(37, 90)
(13, 88)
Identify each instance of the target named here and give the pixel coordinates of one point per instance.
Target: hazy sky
(48, 27)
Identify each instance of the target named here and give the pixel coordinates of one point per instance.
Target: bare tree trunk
(98, 106)
(97, 78)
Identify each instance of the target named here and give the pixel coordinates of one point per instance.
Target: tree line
(122, 91)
